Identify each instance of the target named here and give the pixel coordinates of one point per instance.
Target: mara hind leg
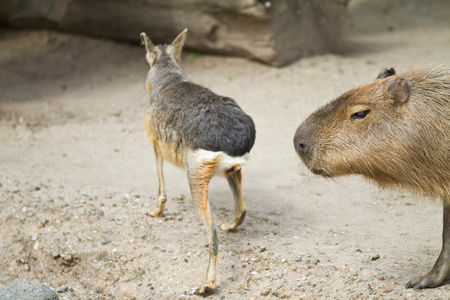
(158, 211)
(199, 173)
(235, 181)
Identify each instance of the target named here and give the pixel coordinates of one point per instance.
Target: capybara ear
(177, 46)
(399, 91)
(386, 73)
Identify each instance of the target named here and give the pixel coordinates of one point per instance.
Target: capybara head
(395, 131)
(162, 58)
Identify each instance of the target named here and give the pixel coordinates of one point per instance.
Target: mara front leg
(235, 181)
(199, 173)
(158, 211)
(441, 268)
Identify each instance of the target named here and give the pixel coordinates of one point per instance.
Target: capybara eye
(360, 114)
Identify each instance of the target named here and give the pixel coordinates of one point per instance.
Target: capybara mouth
(322, 172)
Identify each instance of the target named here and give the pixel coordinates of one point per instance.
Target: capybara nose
(300, 144)
(301, 147)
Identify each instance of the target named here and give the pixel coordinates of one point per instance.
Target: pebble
(375, 257)
(55, 252)
(63, 289)
(105, 242)
(37, 188)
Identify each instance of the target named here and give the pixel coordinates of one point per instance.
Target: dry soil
(78, 177)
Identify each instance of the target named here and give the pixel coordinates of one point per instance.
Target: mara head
(162, 57)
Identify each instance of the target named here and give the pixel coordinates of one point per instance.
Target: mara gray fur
(187, 115)
(195, 128)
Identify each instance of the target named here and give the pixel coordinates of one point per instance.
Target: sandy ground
(78, 177)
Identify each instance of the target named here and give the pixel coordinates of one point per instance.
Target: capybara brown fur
(394, 131)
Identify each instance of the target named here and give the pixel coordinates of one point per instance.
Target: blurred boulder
(276, 32)
(27, 290)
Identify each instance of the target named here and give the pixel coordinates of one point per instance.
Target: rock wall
(276, 32)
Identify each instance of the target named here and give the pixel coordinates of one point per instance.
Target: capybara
(394, 131)
(193, 127)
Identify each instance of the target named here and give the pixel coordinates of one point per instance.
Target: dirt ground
(78, 177)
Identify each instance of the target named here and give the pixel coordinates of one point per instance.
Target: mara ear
(386, 73)
(146, 41)
(399, 91)
(149, 47)
(177, 46)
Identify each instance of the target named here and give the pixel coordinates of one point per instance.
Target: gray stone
(27, 290)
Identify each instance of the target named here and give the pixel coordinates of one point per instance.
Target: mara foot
(157, 213)
(206, 289)
(229, 227)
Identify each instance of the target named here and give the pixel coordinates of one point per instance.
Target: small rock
(262, 249)
(375, 257)
(265, 292)
(387, 288)
(105, 242)
(276, 222)
(37, 188)
(63, 289)
(381, 278)
(55, 252)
